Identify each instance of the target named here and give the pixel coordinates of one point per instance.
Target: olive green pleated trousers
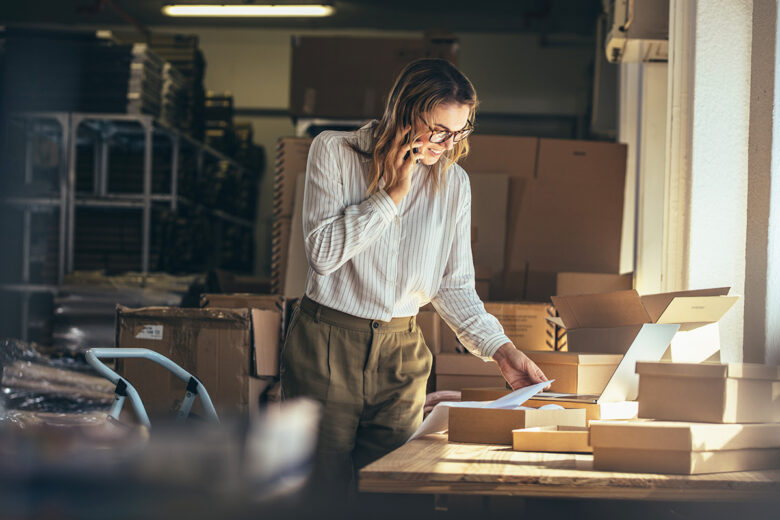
(368, 375)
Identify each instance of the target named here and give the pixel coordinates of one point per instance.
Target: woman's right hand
(406, 159)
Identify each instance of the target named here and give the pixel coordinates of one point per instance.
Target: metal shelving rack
(67, 199)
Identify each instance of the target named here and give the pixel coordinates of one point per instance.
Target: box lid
(699, 306)
(573, 358)
(709, 370)
(683, 436)
(615, 309)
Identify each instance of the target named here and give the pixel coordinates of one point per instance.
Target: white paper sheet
(438, 420)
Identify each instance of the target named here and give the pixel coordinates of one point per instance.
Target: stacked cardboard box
(706, 418)
(291, 156)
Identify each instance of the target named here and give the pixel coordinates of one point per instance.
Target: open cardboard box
(562, 439)
(709, 392)
(684, 448)
(494, 425)
(603, 323)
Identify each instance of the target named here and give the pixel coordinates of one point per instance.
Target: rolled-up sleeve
(457, 301)
(334, 232)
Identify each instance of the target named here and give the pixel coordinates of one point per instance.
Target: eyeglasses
(440, 136)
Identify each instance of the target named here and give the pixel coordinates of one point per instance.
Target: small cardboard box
(268, 311)
(215, 345)
(494, 426)
(564, 439)
(709, 392)
(684, 448)
(524, 323)
(576, 373)
(455, 371)
(594, 411)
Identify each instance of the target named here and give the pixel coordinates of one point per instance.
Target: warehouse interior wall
(514, 74)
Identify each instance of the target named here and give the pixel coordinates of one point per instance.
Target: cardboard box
(215, 345)
(430, 326)
(488, 227)
(565, 208)
(280, 249)
(605, 323)
(716, 393)
(592, 283)
(349, 77)
(456, 371)
(292, 153)
(482, 281)
(684, 448)
(494, 426)
(594, 411)
(267, 353)
(562, 439)
(576, 373)
(525, 323)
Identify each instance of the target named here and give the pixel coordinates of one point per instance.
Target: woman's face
(451, 117)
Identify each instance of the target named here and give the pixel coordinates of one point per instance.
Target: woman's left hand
(518, 370)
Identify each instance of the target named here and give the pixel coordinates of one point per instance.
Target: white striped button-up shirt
(373, 259)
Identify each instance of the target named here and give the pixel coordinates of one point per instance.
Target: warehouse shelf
(162, 169)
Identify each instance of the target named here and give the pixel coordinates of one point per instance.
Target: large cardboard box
(565, 208)
(265, 351)
(684, 448)
(215, 345)
(488, 227)
(605, 323)
(576, 373)
(495, 425)
(351, 77)
(455, 371)
(717, 393)
(524, 323)
(565, 439)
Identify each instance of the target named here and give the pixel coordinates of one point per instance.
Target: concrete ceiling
(546, 17)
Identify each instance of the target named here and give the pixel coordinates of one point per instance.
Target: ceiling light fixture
(240, 10)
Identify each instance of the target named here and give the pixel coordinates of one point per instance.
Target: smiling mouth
(435, 152)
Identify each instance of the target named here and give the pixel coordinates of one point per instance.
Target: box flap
(710, 370)
(699, 310)
(649, 345)
(613, 309)
(683, 436)
(656, 304)
(573, 358)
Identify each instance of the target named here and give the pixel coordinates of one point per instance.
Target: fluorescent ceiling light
(238, 10)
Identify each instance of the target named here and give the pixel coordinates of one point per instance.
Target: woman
(387, 227)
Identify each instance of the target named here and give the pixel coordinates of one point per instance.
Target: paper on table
(438, 419)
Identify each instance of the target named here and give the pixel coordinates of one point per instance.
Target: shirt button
(375, 325)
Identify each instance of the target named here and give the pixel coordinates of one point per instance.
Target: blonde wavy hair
(421, 87)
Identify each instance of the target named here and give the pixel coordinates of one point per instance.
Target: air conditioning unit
(638, 30)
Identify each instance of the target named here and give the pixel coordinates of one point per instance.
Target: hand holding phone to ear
(408, 156)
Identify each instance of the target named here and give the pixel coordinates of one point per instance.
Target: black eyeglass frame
(456, 136)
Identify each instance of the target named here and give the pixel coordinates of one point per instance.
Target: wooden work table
(431, 465)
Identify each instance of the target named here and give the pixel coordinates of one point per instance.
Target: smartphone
(415, 150)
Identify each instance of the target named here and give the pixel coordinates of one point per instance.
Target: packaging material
(297, 265)
(576, 373)
(593, 410)
(709, 392)
(349, 77)
(455, 371)
(494, 426)
(488, 225)
(525, 323)
(684, 448)
(565, 208)
(213, 344)
(566, 439)
(268, 311)
(592, 283)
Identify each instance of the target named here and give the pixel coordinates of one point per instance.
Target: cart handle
(125, 389)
